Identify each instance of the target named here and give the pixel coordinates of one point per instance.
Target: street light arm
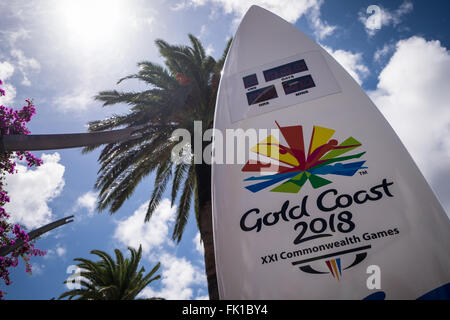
(36, 233)
(21, 142)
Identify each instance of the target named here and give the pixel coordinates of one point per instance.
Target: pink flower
(14, 122)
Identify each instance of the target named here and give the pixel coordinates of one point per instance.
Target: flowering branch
(14, 122)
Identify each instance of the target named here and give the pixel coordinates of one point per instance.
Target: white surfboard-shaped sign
(327, 203)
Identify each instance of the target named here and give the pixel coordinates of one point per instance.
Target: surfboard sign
(326, 202)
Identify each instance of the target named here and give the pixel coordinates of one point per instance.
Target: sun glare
(90, 23)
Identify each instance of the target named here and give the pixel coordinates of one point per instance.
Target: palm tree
(111, 280)
(182, 91)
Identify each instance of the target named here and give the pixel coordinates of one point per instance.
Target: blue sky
(61, 53)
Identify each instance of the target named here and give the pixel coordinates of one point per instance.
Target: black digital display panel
(250, 81)
(298, 84)
(261, 95)
(285, 70)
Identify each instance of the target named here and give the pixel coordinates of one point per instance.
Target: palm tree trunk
(203, 175)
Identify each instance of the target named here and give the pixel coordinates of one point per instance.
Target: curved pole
(36, 233)
(21, 142)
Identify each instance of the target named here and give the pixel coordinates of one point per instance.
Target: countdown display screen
(250, 81)
(285, 70)
(298, 84)
(261, 95)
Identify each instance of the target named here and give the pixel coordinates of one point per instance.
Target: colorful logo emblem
(325, 156)
(333, 265)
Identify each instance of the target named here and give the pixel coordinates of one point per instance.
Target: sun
(90, 23)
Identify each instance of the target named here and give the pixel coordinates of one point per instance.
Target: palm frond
(107, 279)
(180, 172)
(162, 176)
(184, 205)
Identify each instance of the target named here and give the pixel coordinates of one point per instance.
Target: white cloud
(352, 62)
(203, 31)
(381, 17)
(178, 276)
(8, 98)
(23, 63)
(321, 28)
(287, 9)
(13, 36)
(143, 21)
(37, 269)
(75, 101)
(88, 202)
(6, 71)
(31, 190)
(198, 244)
(413, 94)
(383, 52)
(26, 65)
(209, 49)
(180, 5)
(405, 7)
(60, 251)
(152, 235)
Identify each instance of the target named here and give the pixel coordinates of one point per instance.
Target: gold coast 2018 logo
(325, 156)
(326, 215)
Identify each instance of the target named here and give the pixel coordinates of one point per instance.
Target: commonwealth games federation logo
(297, 165)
